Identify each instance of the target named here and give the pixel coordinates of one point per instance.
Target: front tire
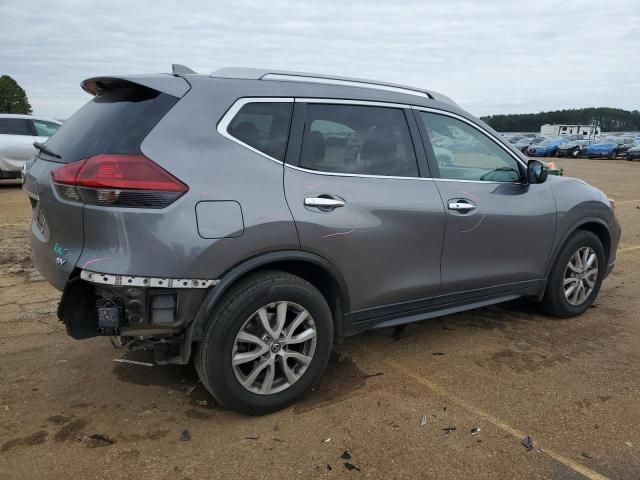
(266, 343)
(576, 276)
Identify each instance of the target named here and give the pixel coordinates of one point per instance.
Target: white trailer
(560, 130)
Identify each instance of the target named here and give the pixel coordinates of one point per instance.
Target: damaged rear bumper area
(142, 312)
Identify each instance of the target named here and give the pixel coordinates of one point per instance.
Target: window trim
(27, 122)
(232, 111)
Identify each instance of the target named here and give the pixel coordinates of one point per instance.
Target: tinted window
(14, 126)
(464, 153)
(359, 140)
(45, 129)
(263, 126)
(116, 121)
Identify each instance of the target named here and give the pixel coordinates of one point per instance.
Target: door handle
(324, 202)
(461, 205)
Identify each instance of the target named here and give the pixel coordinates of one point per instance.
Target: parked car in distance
(633, 153)
(571, 148)
(17, 134)
(609, 147)
(239, 233)
(545, 148)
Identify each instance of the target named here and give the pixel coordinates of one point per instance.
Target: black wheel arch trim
(195, 330)
(570, 231)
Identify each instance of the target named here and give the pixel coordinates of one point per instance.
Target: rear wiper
(43, 148)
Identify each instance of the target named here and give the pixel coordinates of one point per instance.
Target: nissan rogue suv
(254, 217)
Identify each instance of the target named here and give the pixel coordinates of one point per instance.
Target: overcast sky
(494, 56)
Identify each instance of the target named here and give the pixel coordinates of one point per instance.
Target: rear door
(16, 143)
(358, 199)
(499, 230)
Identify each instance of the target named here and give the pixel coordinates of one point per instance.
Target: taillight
(118, 180)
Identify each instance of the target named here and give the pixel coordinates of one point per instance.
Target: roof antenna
(177, 69)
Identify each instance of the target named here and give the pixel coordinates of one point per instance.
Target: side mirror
(537, 172)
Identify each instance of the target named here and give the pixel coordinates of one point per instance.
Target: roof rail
(283, 76)
(344, 83)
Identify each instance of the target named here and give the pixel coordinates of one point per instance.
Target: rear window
(14, 126)
(263, 126)
(116, 121)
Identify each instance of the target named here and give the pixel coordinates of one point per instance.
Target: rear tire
(612, 155)
(236, 331)
(564, 275)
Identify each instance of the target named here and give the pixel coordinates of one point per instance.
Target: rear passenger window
(357, 140)
(263, 126)
(14, 126)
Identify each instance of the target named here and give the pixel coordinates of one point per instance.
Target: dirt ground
(68, 411)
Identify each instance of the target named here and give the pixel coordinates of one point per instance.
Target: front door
(358, 200)
(499, 230)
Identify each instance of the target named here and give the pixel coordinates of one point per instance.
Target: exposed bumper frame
(137, 281)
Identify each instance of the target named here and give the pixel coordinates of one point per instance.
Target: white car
(17, 134)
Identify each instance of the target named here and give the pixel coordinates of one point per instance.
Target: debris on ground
(444, 408)
(329, 467)
(437, 353)
(399, 332)
(346, 455)
(203, 403)
(98, 440)
(326, 440)
(252, 437)
(448, 430)
(185, 436)
(369, 375)
(586, 455)
(475, 430)
(132, 362)
(351, 466)
(527, 442)
(423, 421)
(278, 440)
(191, 389)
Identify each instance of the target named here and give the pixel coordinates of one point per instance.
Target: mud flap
(77, 309)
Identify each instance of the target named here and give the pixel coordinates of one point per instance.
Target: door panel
(505, 239)
(386, 239)
(499, 231)
(354, 190)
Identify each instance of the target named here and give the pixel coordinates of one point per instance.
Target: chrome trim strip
(226, 119)
(343, 83)
(343, 101)
(134, 281)
(337, 174)
(477, 127)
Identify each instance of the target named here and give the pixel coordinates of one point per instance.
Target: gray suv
(254, 217)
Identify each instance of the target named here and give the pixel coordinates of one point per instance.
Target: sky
(491, 56)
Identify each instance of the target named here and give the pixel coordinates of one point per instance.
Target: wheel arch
(314, 268)
(594, 225)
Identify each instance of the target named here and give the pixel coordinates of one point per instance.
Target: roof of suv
(305, 77)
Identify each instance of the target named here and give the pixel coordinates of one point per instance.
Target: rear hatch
(95, 158)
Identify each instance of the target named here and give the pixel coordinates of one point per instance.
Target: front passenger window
(464, 153)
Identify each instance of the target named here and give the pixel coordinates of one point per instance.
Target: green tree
(13, 98)
(609, 119)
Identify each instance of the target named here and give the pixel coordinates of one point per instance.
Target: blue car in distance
(546, 148)
(609, 147)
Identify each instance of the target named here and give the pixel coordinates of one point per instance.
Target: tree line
(609, 119)
(13, 98)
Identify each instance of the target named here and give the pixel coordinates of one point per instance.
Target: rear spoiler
(161, 82)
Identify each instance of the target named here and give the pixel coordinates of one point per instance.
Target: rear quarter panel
(166, 242)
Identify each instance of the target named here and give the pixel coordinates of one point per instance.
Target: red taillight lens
(119, 180)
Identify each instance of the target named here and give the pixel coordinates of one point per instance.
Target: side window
(263, 126)
(45, 129)
(14, 126)
(358, 140)
(465, 153)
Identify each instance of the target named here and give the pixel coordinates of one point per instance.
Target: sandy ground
(68, 411)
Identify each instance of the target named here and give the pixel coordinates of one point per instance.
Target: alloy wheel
(580, 276)
(274, 347)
